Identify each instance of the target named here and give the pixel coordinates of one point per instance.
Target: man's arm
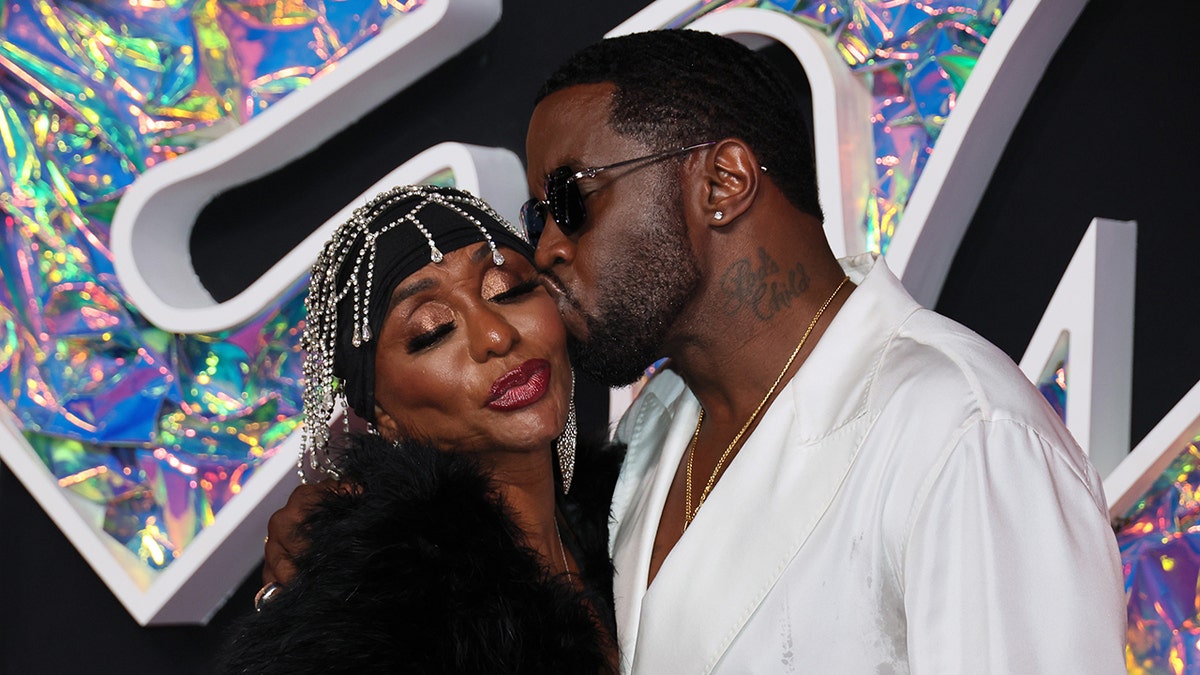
(285, 537)
(1011, 565)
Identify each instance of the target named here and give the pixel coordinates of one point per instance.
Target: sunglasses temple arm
(591, 173)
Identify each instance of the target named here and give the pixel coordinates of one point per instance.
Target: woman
(449, 543)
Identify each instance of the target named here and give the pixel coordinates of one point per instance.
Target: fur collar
(421, 570)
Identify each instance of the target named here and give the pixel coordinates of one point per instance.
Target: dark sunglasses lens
(533, 217)
(565, 201)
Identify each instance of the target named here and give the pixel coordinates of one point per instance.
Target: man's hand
(284, 539)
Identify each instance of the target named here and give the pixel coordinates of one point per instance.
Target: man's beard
(638, 301)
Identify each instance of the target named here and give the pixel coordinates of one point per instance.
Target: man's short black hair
(679, 87)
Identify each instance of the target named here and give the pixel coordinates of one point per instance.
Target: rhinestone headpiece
(344, 278)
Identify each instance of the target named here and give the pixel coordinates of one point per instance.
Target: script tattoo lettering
(751, 285)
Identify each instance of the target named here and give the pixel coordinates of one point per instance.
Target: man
(829, 478)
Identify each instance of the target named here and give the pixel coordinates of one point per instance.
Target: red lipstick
(520, 386)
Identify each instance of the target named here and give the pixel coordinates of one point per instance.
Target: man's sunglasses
(564, 201)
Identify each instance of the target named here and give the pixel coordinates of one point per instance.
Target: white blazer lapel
(752, 525)
(655, 445)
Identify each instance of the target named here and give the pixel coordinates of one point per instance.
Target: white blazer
(908, 503)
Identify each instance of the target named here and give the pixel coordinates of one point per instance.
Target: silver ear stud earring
(719, 215)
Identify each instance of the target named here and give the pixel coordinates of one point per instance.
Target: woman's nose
(491, 334)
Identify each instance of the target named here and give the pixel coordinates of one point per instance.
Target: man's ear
(730, 185)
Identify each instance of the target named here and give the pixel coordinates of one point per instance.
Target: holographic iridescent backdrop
(1160, 549)
(159, 430)
(1052, 383)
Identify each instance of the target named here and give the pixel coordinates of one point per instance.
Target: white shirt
(908, 504)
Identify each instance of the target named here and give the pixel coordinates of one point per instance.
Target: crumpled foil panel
(1160, 549)
(1052, 383)
(157, 429)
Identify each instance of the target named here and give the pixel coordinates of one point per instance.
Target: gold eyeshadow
(497, 281)
(427, 318)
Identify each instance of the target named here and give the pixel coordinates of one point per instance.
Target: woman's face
(472, 356)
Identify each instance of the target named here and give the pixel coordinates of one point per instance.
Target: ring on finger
(266, 594)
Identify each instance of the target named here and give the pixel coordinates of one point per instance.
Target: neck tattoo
(762, 286)
(689, 513)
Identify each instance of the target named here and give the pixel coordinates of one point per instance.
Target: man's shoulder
(944, 399)
(914, 359)
(941, 390)
(932, 360)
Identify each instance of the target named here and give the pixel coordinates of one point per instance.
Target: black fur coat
(422, 571)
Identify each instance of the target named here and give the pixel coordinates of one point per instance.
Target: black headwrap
(457, 221)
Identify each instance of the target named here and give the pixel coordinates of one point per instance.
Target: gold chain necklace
(689, 514)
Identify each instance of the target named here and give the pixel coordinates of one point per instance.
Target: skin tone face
(730, 324)
(623, 278)
(472, 357)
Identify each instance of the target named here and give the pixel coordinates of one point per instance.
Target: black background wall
(1104, 135)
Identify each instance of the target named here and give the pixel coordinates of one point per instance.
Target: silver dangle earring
(719, 215)
(565, 445)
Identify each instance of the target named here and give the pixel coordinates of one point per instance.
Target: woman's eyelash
(429, 338)
(516, 291)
